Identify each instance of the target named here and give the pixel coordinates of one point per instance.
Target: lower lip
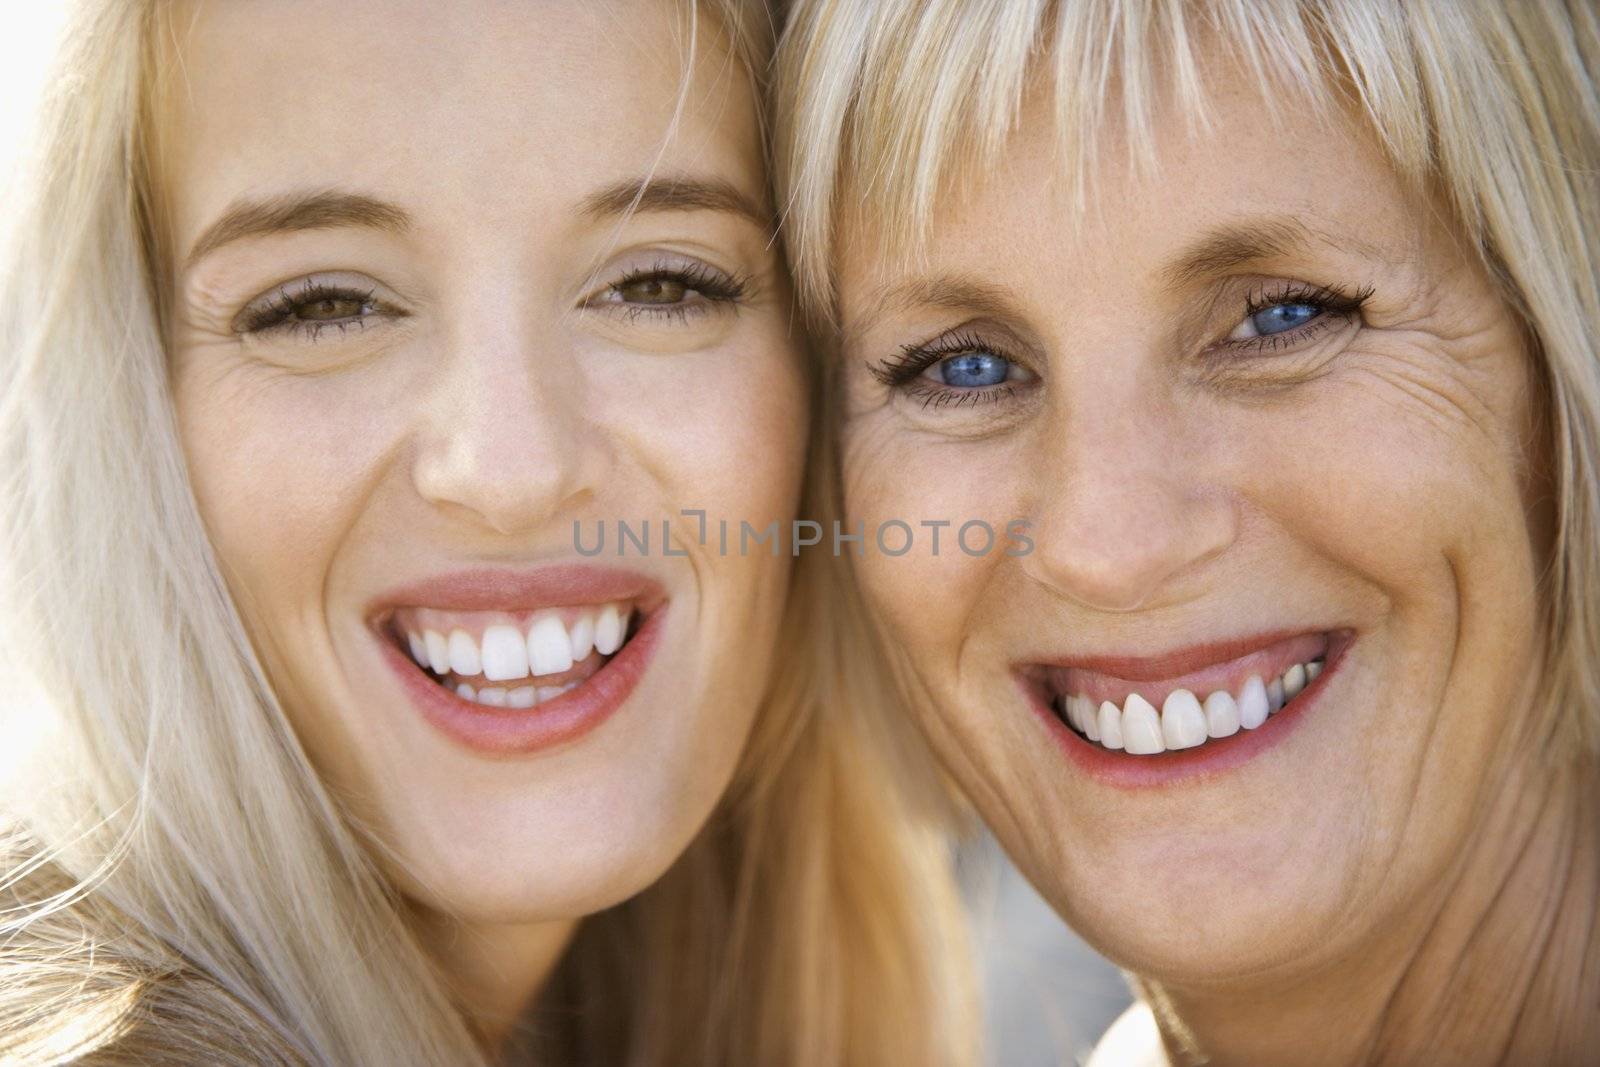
(1216, 756)
(522, 731)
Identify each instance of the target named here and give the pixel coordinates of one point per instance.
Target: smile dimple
(500, 659)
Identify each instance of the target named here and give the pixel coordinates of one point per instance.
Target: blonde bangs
(883, 108)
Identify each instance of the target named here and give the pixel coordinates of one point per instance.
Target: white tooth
(1253, 705)
(1141, 727)
(505, 654)
(1109, 720)
(1091, 721)
(464, 658)
(549, 650)
(1294, 680)
(1313, 669)
(1222, 714)
(466, 692)
(522, 697)
(1183, 724)
(438, 651)
(608, 630)
(1275, 695)
(550, 692)
(495, 697)
(582, 636)
(570, 686)
(419, 651)
(1068, 707)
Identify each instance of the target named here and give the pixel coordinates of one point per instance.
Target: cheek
(1400, 494)
(280, 467)
(721, 431)
(929, 593)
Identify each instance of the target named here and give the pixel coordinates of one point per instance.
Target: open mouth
(1149, 714)
(514, 660)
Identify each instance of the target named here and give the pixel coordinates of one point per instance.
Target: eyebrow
(680, 193)
(331, 208)
(321, 209)
(1235, 245)
(951, 292)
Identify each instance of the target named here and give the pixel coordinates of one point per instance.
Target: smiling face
(417, 337)
(1269, 423)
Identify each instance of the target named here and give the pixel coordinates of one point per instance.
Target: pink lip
(492, 589)
(523, 731)
(1200, 669)
(1123, 771)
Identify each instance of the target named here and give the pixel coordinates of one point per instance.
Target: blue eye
(1279, 318)
(973, 370)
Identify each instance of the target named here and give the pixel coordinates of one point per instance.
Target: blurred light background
(1049, 996)
(25, 52)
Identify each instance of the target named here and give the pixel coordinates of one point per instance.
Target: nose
(1130, 510)
(506, 441)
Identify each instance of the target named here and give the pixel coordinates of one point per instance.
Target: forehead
(480, 109)
(1255, 160)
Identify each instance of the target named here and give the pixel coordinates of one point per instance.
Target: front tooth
(1141, 727)
(549, 650)
(550, 692)
(1294, 680)
(466, 692)
(505, 654)
(1275, 695)
(1183, 724)
(608, 630)
(1109, 720)
(419, 650)
(522, 697)
(495, 697)
(1222, 714)
(1313, 669)
(464, 658)
(438, 651)
(582, 636)
(1253, 703)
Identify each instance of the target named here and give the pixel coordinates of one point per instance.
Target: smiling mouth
(1202, 707)
(514, 660)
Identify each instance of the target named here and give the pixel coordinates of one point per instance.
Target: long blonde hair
(176, 884)
(883, 106)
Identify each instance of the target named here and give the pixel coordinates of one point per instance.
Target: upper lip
(523, 589)
(1175, 664)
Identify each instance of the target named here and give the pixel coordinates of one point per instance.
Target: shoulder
(1132, 1041)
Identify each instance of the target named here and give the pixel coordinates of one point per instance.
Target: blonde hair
(176, 884)
(1492, 107)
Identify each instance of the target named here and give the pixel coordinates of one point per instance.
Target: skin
(508, 390)
(1393, 875)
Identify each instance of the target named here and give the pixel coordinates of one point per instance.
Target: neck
(496, 970)
(1500, 964)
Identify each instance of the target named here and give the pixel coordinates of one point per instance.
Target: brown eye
(329, 308)
(653, 291)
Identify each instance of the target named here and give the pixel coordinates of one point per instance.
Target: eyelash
(715, 289)
(1331, 302)
(901, 371)
(906, 367)
(277, 313)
